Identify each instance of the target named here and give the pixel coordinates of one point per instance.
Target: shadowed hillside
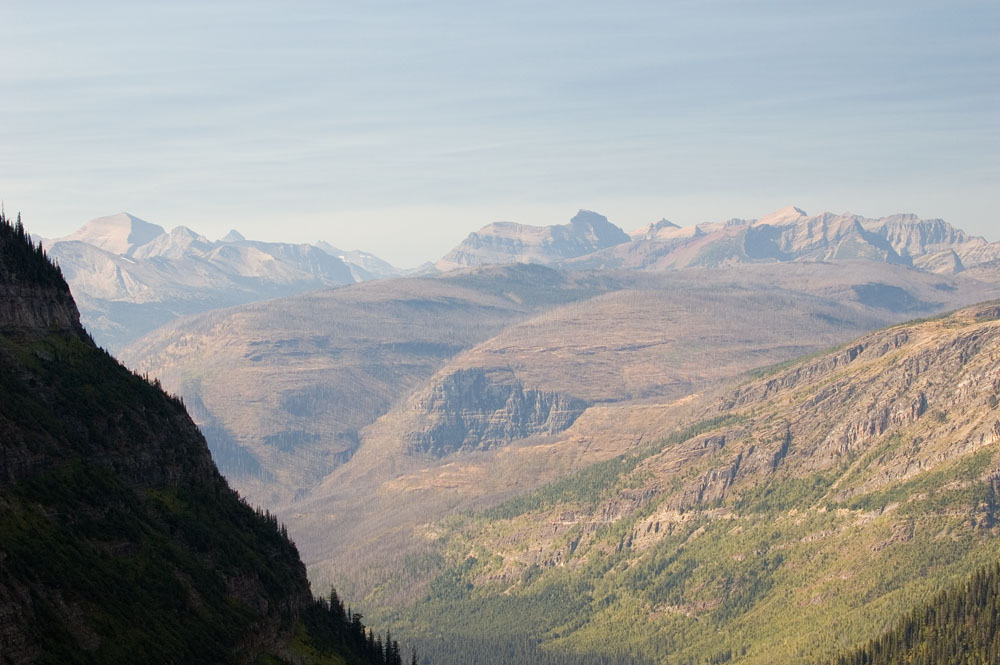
(119, 540)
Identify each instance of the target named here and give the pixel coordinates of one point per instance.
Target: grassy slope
(284, 387)
(665, 335)
(811, 548)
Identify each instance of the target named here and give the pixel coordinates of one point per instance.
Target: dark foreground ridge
(119, 540)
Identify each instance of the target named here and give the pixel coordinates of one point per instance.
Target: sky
(399, 127)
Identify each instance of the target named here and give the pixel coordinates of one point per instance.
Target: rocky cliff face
(922, 396)
(477, 409)
(34, 297)
(119, 540)
(911, 236)
(28, 307)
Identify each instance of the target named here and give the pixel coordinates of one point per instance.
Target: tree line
(332, 626)
(21, 259)
(958, 627)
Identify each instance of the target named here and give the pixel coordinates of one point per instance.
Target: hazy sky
(398, 127)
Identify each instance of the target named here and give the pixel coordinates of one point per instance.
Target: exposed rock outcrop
(35, 308)
(34, 297)
(477, 409)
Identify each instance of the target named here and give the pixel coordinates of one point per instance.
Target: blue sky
(398, 127)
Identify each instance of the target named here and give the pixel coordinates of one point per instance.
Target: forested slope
(119, 540)
(802, 513)
(959, 627)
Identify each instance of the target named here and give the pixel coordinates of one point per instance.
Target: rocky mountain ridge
(507, 242)
(842, 490)
(130, 276)
(791, 234)
(656, 338)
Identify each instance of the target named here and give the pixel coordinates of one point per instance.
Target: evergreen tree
(392, 655)
(337, 612)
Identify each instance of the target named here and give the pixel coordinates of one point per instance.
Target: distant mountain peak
(509, 242)
(588, 217)
(650, 230)
(118, 234)
(123, 259)
(784, 216)
(186, 232)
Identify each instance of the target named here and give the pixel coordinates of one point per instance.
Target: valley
(544, 452)
(440, 333)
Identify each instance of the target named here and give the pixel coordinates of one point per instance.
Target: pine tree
(392, 655)
(337, 612)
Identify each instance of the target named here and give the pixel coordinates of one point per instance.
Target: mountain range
(476, 453)
(289, 390)
(790, 234)
(130, 276)
(507, 242)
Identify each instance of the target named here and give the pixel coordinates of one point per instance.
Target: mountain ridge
(130, 276)
(119, 540)
(841, 490)
(790, 234)
(509, 242)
